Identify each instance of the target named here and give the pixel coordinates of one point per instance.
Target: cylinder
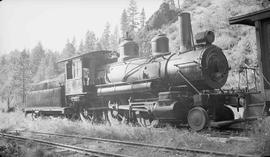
(185, 32)
(160, 45)
(128, 49)
(169, 110)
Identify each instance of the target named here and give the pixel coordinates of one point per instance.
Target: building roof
(250, 18)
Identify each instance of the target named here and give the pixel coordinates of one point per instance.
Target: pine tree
(21, 75)
(69, 50)
(142, 18)
(90, 42)
(105, 38)
(124, 22)
(7, 90)
(48, 67)
(3, 61)
(74, 42)
(37, 53)
(132, 13)
(51, 68)
(99, 46)
(40, 74)
(81, 48)
(114, 39)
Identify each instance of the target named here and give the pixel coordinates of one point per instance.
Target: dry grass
(162, 136)
(10, 148)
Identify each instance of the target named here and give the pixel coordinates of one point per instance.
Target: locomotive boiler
(206, 68)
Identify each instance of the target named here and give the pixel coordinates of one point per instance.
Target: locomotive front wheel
(197, 118)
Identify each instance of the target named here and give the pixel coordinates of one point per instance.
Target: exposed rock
(164, 15)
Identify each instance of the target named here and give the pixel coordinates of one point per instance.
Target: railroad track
(85, 151)
(126, 143)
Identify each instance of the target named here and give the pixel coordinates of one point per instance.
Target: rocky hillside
(237, 42)
(163, 16)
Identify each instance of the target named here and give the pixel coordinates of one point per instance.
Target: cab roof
(92, 53)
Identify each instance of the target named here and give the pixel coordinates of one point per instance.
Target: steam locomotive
(181, 88)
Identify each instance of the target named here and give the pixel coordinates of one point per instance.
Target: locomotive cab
(81, 71)
(74, 77)
(79, 76)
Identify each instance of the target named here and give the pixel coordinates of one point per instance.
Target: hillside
(237, 42)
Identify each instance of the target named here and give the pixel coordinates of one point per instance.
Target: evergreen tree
(48, 67)
(142, 18)
(37, 54)
(81, 48)
(74, 42)
(7, 91)
(90, 42)
(7, 94)
(40, 74)
(124, 22)
(60, 66)
(99, 46)
(105, 38)
(22, 75)
(69, 50)
(114, 39)
(132, 13)
(51, 65)
(3, 61)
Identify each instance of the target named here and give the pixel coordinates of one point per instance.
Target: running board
(230, 122)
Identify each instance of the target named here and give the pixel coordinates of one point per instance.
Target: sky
(24, 23)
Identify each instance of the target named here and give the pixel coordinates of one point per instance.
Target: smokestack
(185, 31)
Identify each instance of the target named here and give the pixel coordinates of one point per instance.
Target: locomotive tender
(180, 88)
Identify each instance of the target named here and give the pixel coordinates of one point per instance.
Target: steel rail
(191, 150)
(63, 146)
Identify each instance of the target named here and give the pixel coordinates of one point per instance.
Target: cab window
(69, 69)
(77, 69)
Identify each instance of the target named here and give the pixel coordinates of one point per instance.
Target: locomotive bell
(128, 49)
(160, 45)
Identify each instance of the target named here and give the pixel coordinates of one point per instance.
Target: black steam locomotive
(179, 88)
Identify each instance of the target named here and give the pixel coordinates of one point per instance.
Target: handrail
(182, 75)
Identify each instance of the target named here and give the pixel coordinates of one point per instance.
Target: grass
(9, 148)
(168, 136)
